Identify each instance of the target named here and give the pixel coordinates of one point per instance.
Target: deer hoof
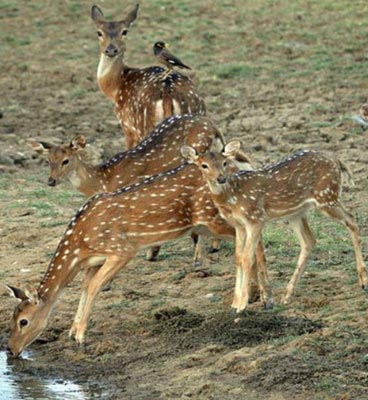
(79, 338)
(152, 254)
(254, 297)
(268, 305)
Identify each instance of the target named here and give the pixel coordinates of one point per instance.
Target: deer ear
(40, 147)
(132, 15)
(243, 162)
(78, 143)
(17, 293)
(232, 148)
(97, 14)
(242, 157)
(189, 154)
(32, 295)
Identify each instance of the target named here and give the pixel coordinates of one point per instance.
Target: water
(15, 386)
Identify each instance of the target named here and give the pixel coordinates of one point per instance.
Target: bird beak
(167, 45)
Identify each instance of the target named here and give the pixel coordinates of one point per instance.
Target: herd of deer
(177, 176)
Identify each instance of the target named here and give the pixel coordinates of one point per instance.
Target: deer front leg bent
(109, 269)
(87, 278)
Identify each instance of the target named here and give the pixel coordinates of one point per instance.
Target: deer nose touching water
(106, 234)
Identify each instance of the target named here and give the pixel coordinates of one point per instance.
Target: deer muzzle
(13, 353)
(51, 181)
(111, 51)
(221, 179)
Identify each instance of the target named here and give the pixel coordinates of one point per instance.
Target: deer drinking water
(106, 234)
(158, 152)
(142, 99)
(288, 189)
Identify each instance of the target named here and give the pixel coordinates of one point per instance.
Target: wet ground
(281, 76)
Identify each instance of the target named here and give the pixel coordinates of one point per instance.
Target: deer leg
(254, 292)
(108, 270)
(339, 213)
(307, 242)
(253, 234)
(215, 246)
(260, 266)
(258, 278)
(198, 253)
(152, 253)
(239, 244)
(90, 272)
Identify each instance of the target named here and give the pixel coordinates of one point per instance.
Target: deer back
(158, 152)
(296, 183)
(144, 100)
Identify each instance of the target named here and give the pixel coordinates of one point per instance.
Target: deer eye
(23, 322)
(65, 162)
(225, 163)
(204, 166)
(125, 32)
(99, 33)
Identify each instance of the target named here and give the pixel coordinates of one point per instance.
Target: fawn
(288, 189)
(141, 98)
(158, 152)
(106, 234)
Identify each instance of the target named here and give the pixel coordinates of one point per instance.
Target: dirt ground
(280, 75)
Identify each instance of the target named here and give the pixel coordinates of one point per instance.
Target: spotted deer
(107, 232)
(142, 99)
(158, 152)
(288, 189)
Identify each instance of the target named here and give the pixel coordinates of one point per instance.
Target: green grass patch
(235, 70)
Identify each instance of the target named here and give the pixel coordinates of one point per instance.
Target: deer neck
(62, 269)
(109, 74)
(223, 194)
(85, 177)
(219, 190)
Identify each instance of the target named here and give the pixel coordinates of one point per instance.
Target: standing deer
(288, 189)
(107, 232)
(142, 99)
(158, 152)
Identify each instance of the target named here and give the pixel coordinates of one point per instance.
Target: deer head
(111, 34)
(28, 321)
(216, 166)
(61, 158)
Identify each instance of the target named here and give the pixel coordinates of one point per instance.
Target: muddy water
(14, 386)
